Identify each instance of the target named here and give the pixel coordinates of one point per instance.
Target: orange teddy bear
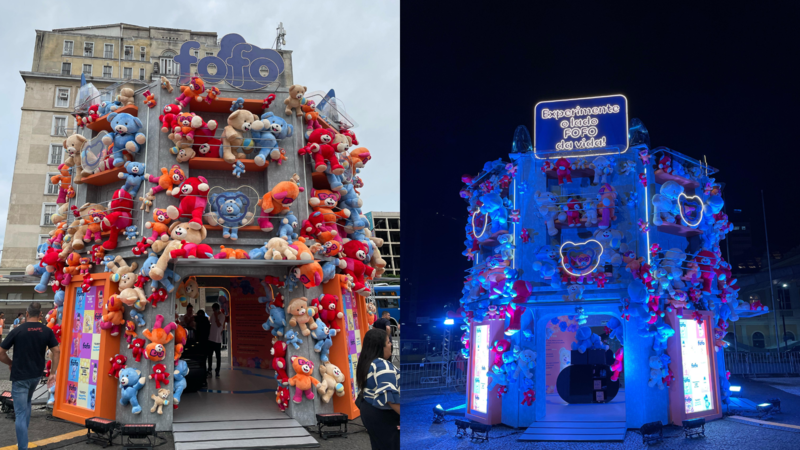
(65, 181)
(73, 264)
(112, 315)
(194, 90)
(159, 337)
(278, 201)
(160, 226)
(302, 381)
(212, 94)
(167, 181)
(324, 201)
(231, 253)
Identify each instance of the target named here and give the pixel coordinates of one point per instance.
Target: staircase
(269, 433)
(575, 431)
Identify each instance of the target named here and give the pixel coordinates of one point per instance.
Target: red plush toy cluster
(278, 353)
(117, 363)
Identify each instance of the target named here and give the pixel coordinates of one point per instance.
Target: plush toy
(298, 308)
(498, 377)
(574, 292)
(137, 348)
(707, 262)
(112, 315)
(665, 164)
(237, 104)
(323, 336)
(288, 225)
(656, 378)
(563, 171)
(497, 350)
(118, 362)
(133, 176)
(193, 193)
(324, 201)
(292, 338)
(278, 352)
(302, 380)
(231, 211)
(316, 228)
(166, 281)
(118, 217)
(231, 253)
(179, 376)
(665, 204)
(73, 147)
(278, 201)
(165, 84)
(125, 96)
(234, 144)
(93, 226)
(332, 382)
(311, 116)
(193, 90)
(160, 400)
(615, 330)
(160, 374)
(587, 341)
(266, 140)
(169, 118)
(606, 202)
(129, 293)
(159, 225)
(64, 180)
(187, 290)
(603, 167)
(354, 254)
(149, 99)
(211, 94)
(547, 209)
(159, 337)
(526, 362)
(328, 312)
(618, 365)
(131, 383)
(295, 100)
(324, 154)
(125, 137)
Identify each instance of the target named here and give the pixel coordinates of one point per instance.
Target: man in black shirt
(30, 341)
(384, 323)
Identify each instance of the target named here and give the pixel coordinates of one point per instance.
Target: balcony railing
(762, 364)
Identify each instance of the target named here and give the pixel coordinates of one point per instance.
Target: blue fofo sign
(581, 126)
(238, 63)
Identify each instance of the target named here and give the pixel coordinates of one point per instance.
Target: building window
(87, 69)
(209, 53)
(784, 298)
(50, 188)
(129, 52)
(88, 49)
(142, 54)
(141, 74)
(56, 155)
(758, 340)
(66, 68)
(59, 126)
(106, 71)
(48, 209)
(167, 63)
(62, 97)
(127, 73)
(108, 51)
(197, 53)
(14, 296)
(68, 46)
(789, 336)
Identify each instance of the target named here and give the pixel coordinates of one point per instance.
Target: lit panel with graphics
(697, 387)
(480, 367)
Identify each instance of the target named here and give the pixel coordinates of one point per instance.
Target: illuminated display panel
(697, 392)
(480, 367)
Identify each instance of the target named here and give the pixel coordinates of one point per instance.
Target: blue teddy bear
(179, 377)
(108, 107)
(169, 275)
(286, 229)
(329, 269)
(58, 301)
(292, 338)
(499, 377)
(323, 336)
(237, 104)
(125, 136)
(133, 176)
(616, 329)
(231, 211)
(258, 253)
(352, 202)
(131, 232)
(587, 340)
(38, 270)
(131, 383)
(107, 259)
(291, 282)
(137, 318)
(266, 140)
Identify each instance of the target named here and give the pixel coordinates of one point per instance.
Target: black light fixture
(7, 403)
(652, 432)
(776, 404)
(695, 427)
(100, 431)
(461, 427)
(438, 414)
(480, 432)
(332, 420)
(765, 410)
(139, 431)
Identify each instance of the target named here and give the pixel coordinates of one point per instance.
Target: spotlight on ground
(695, 427)
(438, 414)
(461, 427)
(449, 321)
(100, 431)
(7, 402)
(652, 432)
(480, 432)
(765, 410)
(776, 404)
(139, 432)
(332, 420)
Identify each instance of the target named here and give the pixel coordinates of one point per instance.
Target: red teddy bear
(282, 397)
(169, 120)
(117, 364)
(319, 146)
(563, 170)
(354, 255)
(137, 348)
(160, 374)
(193, 193)
(328, 313)
(278, 352)
(92, 115)
(497, 350)
(118, 217)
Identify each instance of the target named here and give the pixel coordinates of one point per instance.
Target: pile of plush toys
(333, 239)
(580, 234)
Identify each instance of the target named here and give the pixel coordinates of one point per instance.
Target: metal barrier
(755, 364)
(433, 375)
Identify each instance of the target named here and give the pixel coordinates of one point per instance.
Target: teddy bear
(611, 240)
(193, 195)
(316, 228)
(160, 374)
(606, 202)
(125, 136)
(324, 154)
(230, 210)
(665, 203)
(112, 315)
(323, 336)
(159, 225)
(614, 329)
(137, 348)
(131, 382)
(118, 362)
(665, 164)
(603, 167)
(328, 312)
(498, 377)
(193, 90)
(282, 396)
(64, 180)
(311, 116)
(185, 242)
(159, 337)
(295, 100)
(133, 176)
(93, 226)
(278, 249)
(125, 96)
(73, 146)
(574, 292)
(325, 201)
(332, 382)
(278, 201)
(287, 227)
(235, 145)
(278, 352)
(290, 337)
(231, 253)
(166, 85)
(169, 118)
(277, 317)
(266, 140)
(656, 378)
(303, 381)
(618, 365)
(590, 208)
(587, 340)
(189, 289)
(126, 277)
(165, 282)
(355, 254)
(149, 99)
(160, 400)
(546, 202)
(179, 378)
(301, 317)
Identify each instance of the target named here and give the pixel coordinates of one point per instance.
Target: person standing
(30, 341)
(2, 324)
(379, 391)
(202, 329)
(384, 323)
(217, 320)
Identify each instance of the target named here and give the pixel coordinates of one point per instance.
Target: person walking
(202, 329)
(30, 341)
(379, 391)
(217, 320)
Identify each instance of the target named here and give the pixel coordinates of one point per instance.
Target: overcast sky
(352, 46)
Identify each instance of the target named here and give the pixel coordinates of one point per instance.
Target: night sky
(720, 82)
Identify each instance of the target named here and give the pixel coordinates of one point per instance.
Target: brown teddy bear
(294, 101)
(301, 315)
(126, 276)
(77, 230)
(161, 400)
(125, 96)
(72, 147)
(240, 121)
(278, 249)
(182, 148)
(331, 377)
(184, 239)
(165, 84)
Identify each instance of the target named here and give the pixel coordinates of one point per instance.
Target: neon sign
(585, 260)
(680, 208)
(480, 368)
(587, 126)
(238, 63)
(697, 393)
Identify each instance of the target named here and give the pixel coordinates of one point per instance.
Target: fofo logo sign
(238, 63)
